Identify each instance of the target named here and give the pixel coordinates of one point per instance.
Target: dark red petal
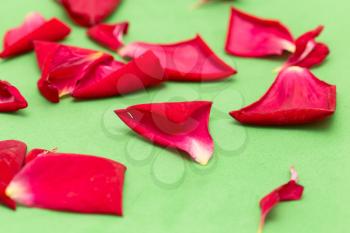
(290, 191)
(308, 52)
(33, 154)
(250, 36)
(180, 125)
(89, 12)
(70, 182)
(11, 99)
(296, 97)
(109, 35)
(115, 78)
(190, 60)
(12, 155)
(63, 66)
(35, 27)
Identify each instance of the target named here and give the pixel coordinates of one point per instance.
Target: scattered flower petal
(190, 60)
(11, 99)
(296, 97)
(179, 125)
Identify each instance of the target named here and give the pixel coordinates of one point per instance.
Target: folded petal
(179, 125)
(11, 99)
(89, 12)
(12, 154)
(70, 182)
(190, 60)
(20, 40)
(296, 97)
(290, 191)
(109, 35)
(250, 36)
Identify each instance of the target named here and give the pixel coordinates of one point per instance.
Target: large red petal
(115, 78)
(250, 36)
(35, 27)
(109, 35)
(12, 154)
(89, 12)
(190, 60)
(180, 125)
(296, 97)
(11, 99)
(70, 182)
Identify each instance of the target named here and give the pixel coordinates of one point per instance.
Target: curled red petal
(35, 27)
(12, 155)
(179, 125)
(109, 35)
(70, 182)
(33, 154)
(290, 191)
(308, 52)
(296, 97)
(89, 12)
(64, 66)
(115, 78)
(11, 99)
(250, 36)
(190, 60)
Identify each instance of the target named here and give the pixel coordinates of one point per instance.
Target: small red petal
(70, 182)
(11, 99)
(33, 154)
(89, 12)
(115, 78)
(109, 35)
(250, 36)
(180, 125)
(190, 60)
(35, 27)
(290, 191)
(12, 155)
(308, 52)
(296, 97)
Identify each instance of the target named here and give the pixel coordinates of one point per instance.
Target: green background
(163, 191)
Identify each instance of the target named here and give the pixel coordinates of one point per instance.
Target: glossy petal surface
(190, 60)
(250, 36)
(70, 182)
(11, 99)
(179, 125)
(296, 97)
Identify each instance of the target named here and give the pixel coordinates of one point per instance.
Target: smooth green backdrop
(163, 191)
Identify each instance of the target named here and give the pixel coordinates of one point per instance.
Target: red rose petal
(63, 67)
(190, 60)
(308, 52)
(89, 12)
(296, 97)
(115, 78)
(12, 155)
(250, 36)
(109, 35)
(33, 154)
(35, 27)
(70, 182)
(11, 99)
(180, 125)
(290, 191)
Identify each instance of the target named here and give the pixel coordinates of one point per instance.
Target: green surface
(163, 191)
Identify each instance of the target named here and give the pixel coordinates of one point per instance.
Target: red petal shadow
(11, 99)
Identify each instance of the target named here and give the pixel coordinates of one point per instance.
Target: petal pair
(11, 99)
(35, 27)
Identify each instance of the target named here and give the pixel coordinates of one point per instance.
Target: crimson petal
(250, 36)
(109, 35)
(290, 191)
(179, 125)
(296, 97)
(89, 12)
(12, 155)
(11, 99)
(35, 27)
(190, 60)
(70, 182)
